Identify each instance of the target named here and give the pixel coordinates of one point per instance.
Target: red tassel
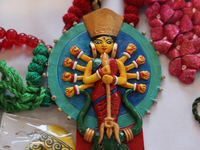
(131, 18)
(75, 10)
(84, 5)
(68, 26)
(70, 18)
(129, 9)
(136, 3)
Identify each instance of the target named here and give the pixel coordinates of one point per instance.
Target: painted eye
(97, 42)
(109, 42)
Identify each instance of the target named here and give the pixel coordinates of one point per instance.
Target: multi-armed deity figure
(105, 72)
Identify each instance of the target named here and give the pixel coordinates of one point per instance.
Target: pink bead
(2, 33)
(22, 38)
(32, 41)
(11, 34)
(7, 44)
(49, 46)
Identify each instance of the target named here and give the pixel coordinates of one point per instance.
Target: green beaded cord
(36, 67)
(194, 109)
(25, 98)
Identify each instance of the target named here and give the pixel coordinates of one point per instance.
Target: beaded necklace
(176, 35)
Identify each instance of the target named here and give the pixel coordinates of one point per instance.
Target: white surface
(170, 126)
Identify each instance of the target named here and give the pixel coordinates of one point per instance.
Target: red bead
(49, 46)
(11, 34)
(32, 41)
(28, 39)
(41, 41)
(16, 43)
(7, 44)
(29, 36)
(1, 47)
(22, 38)
(2, 33)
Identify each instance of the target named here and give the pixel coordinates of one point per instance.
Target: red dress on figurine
(100, 104)
(99, 96)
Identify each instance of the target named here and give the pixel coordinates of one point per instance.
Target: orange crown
(103, 22)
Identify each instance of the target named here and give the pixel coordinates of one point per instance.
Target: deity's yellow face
(104, 44)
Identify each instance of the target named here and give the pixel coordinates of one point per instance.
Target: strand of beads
(176, 34)
(11, 38)
(36, 70)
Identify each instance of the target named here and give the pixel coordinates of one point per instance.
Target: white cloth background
(170, 126)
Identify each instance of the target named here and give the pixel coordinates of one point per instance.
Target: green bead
(34, 67)
(34, 78)
(40, 49)
(40, 59)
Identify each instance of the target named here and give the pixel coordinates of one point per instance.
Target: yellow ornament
(54, 138)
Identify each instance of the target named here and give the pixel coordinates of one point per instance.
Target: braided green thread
(25, 98)
(22, 100)
(194, 109)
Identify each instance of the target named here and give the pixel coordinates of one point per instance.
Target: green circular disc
(79, 37)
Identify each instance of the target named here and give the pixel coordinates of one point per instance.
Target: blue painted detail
(103, 97)
(95, 69)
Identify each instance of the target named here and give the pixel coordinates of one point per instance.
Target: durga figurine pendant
(105, 75)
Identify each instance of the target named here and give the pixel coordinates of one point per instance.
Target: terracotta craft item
(109, 57)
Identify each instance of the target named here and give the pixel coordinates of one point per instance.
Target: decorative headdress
(103, 22)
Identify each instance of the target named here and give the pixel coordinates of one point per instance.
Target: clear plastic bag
(20, 133)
